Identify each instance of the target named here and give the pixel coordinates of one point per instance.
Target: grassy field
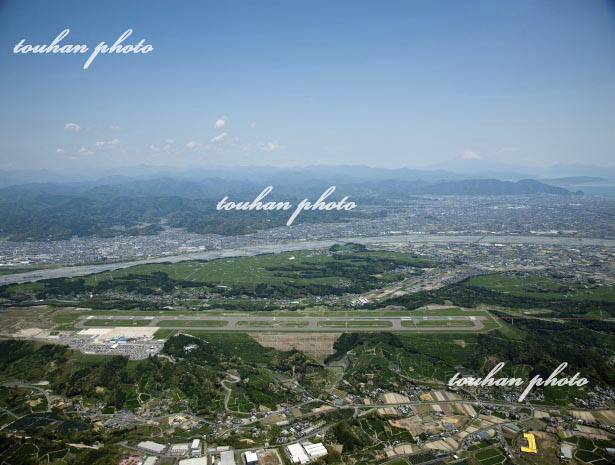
(192, 323)
(543, 287)
(223, 272)
(298, 274)
(491, 456)
(281, 271)
(165, 333)
(271, 324)
(437, 323)
(115, 322)
(446, 311)
(592, 451)
(355, 324)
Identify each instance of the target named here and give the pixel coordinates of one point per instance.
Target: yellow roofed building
(528, 443)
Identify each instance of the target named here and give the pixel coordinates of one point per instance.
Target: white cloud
(220, 123)
(166, 147)
(252, 124)
(192, 145)
(271, 147)
(114, 127)
(470, 155)
(60, 151)
(107, 143)
(219, 138)
(84, 151)
(74, 127)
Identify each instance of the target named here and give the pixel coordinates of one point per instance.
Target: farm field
(490, 456)
(592, 451)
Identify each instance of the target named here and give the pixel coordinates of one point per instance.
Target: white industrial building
(195, 447)
(566, 452)
(315, 451)
(179, 449)
(297, 454)
(250, 458)
(306, 452)
(151, 460)
(194, 461)
(227, 457)
(151, 446)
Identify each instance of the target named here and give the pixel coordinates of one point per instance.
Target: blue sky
(301, 82)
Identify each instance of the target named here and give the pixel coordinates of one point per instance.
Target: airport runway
(291, 324)
(83, 270)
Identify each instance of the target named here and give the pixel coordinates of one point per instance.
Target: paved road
(82, 270)
(314, 323)
(24, 384)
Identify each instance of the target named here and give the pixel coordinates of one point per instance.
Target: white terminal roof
(195, 443)
(151, 460)
(153, 446)
(93, 331)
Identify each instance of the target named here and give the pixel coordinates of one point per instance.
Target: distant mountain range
(456, 170)
(289, 184)
(136, 205)
(575, 180)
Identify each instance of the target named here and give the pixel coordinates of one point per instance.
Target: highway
(82, 270)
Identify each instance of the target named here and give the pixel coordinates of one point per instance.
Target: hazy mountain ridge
(454, 171)
(51, 211)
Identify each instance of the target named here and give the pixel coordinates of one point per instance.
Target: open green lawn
(116, 322)
(400, 461)
(447, 311)
(345, 269)
(272, 269)
(491, 456)
(271, 324)
(355, 324)
(165, 333)
(434, 323)
(227, 271)
(192, 323)
(543, 287)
